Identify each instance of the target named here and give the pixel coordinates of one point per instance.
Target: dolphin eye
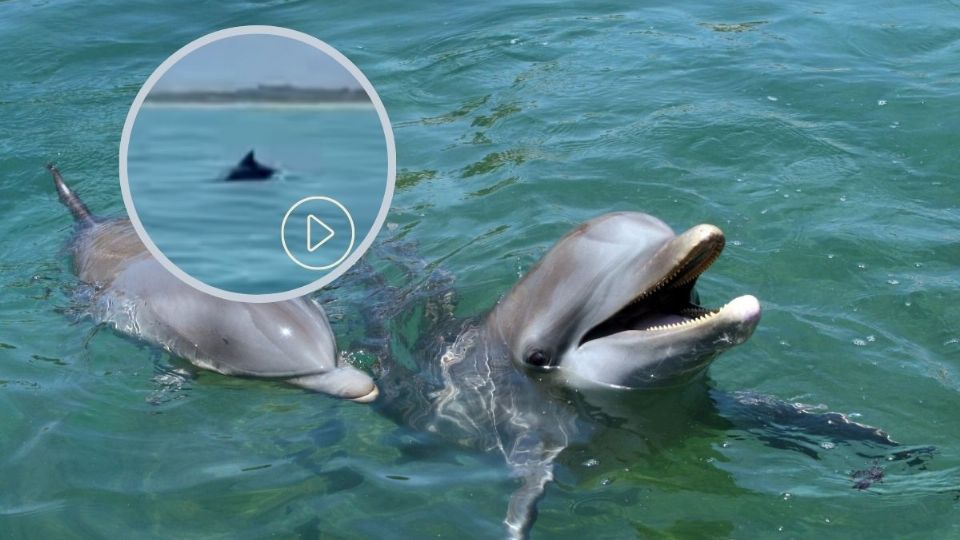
(538, 359)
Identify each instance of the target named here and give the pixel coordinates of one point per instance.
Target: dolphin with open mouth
(615, 307)
(611, 307)
(131, 291)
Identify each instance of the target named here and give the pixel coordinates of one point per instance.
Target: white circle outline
(283, 228)
(158, 73)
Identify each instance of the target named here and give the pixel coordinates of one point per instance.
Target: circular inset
(231, 138)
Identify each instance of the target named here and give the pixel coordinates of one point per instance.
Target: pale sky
(248, 60)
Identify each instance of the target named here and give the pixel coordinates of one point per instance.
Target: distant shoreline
(264, 94)
(329, 105)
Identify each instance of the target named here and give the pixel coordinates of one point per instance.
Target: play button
(317, 233)
(326, 233)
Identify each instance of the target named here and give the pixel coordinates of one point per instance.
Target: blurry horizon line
(259, 86)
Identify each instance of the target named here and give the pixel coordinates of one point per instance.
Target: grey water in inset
(227, 233)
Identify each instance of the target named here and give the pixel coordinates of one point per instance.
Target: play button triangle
(318, 233)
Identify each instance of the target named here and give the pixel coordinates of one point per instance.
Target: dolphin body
(611, 307)
(132, 292)
(249, 169)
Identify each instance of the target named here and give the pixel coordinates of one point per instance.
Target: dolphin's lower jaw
(740, 315)
(662, 356)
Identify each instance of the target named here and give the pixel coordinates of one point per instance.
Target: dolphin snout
(346, 382)
(742, 315)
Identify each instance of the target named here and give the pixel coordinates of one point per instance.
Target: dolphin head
(612, 305)
(292, 337)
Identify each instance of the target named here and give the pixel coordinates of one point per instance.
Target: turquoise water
(227, 234)
(821, 138)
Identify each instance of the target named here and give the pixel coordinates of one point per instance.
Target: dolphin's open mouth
(669, 303)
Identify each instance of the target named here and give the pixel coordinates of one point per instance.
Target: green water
(821, 138)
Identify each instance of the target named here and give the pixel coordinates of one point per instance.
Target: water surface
(820, 137)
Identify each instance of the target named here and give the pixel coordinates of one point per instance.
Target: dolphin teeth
(707, 314)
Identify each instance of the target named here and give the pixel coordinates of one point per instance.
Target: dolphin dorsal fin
(70, 199)
(248, 160)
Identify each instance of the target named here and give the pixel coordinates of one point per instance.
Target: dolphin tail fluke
(69, 198)
(522, 509)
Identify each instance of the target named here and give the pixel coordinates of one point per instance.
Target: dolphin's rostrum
(135, 294)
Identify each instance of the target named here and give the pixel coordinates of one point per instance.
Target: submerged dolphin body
(250, 169)
(289, 340)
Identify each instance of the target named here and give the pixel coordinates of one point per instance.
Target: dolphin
(611, 307)
(250, 169)
(610, 314)
(132, 292)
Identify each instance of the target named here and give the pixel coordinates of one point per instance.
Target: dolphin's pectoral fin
(522, 509)
(805, 429)
(794, 426)
(92, 334)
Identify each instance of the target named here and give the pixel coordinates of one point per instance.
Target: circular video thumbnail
(257, 163)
